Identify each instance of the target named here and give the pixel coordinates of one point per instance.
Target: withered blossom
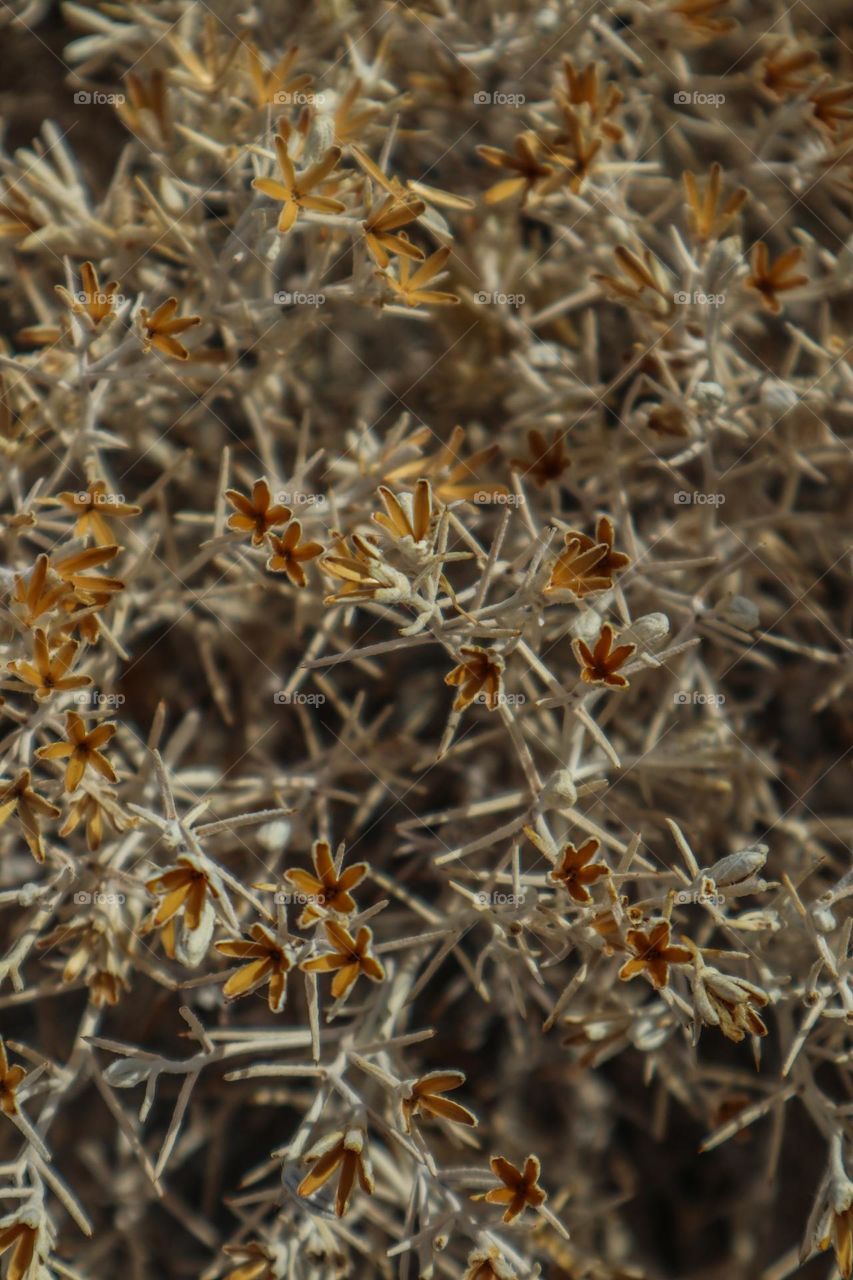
(94, 301)
(159, 329)
(49, 672)
(600, 665)
(82, 750)
(289, 553)
(95, 955)
(769, 279)
(425, 1097)
(520, 1188)
(575, 868)
(727, 1002)
(327, 889)
(525, 161)
(388, 217)
(294, 190)
(93, 508)
(410, 284)
(96, 811)
(350, 959)
(779, 72)
(267, 963)
(10, 1078)
(452, 478)
(489, 1264)
(580, 568)
(276, 84)
(708, 217)
(406, 517)
(548, 458)
(345, 1151)
(479, 674)
(18, 796)
(19, 1239)
(653, 954)
(258, 514)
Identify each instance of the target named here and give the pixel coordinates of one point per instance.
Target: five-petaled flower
(346, 1151)
(16, 795)
(579, 568)
(575, 869)
(601, 664)
(478, 675)
(160, 327)
(708, 220)
(769, 279)
(10, 1078)
(256, 515)
(289, 554)
(411, 285)
(328, 889)
(267, 961)
(423, 1097)
(351, 957)
(93, 301)
(383, 220)
(653, 954)
(48, 673)
(525, 162)
(94, 508)
(520, 1187)
(186, 887)
(294, 191)
(82, 750)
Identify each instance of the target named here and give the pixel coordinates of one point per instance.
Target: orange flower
(183, 887)
(73, 570)
(345, 1151)
(269, 962)
(255, 515)
(82, 750)
(575, 870)
(644, 286)
(328, 889)
(410, 287)
(479, 672)
(21, 1238)
(520, 1188)
(525, 162)
(352, 958)
(92, 301)
(424, 1098)
(393, 213)
(547, 460)
(160, 327)
(401, 521)
(19, 796)
(707, 220)
(700, 22)
(652, 954)
(294, 191)
(580, 568)
(770, 279)
(38, 594)
(10, 1078)
(778, 73)
(48, 672)
(601, 664)
(288, 555)
(93, 810)
(829, 110)
(93, 509)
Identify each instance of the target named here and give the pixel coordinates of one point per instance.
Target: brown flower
(548, 459)
(345, 1151)
(707, 219)
(268, 962)
(520, 1187)
(74, 569)
(10, 1078)
(184, 887)
(288, 554)
(328, 889)
(352, 958)
(294, 191)
(93, 810)
(21, 1238)
(256, 515)
(424, 1098)
(601, 664)
(94, 952)
(410, 285)
(642, 283)
(829, 109)
(401, 522)
(97, 303)
(524, 162)
(778, 73)
(582, 90)
(82, 750)
(147, 101)
(728, 1003)
(18, 796)
(576, 870)
(387, 217)
(652, 954)
(48, 672)
(770, 279)
(255, 1259)
(701, 21)
(480, 672)
(579, 568)
(275, 84)
(39, 593)
(160, 327)
(94, 508)
(451, 476)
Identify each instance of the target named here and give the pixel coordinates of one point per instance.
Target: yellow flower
(288, 554)
(268, 962)
(160, 327)
(520, 1187)
(424, 1098)
(345, 1151)
(82, 750)
(18, 796)
(479, 673)
(48, 672)
(352, 958)
(328, 889)
(294, 191)
(410, 285)
(256, 515)
(94, 508)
